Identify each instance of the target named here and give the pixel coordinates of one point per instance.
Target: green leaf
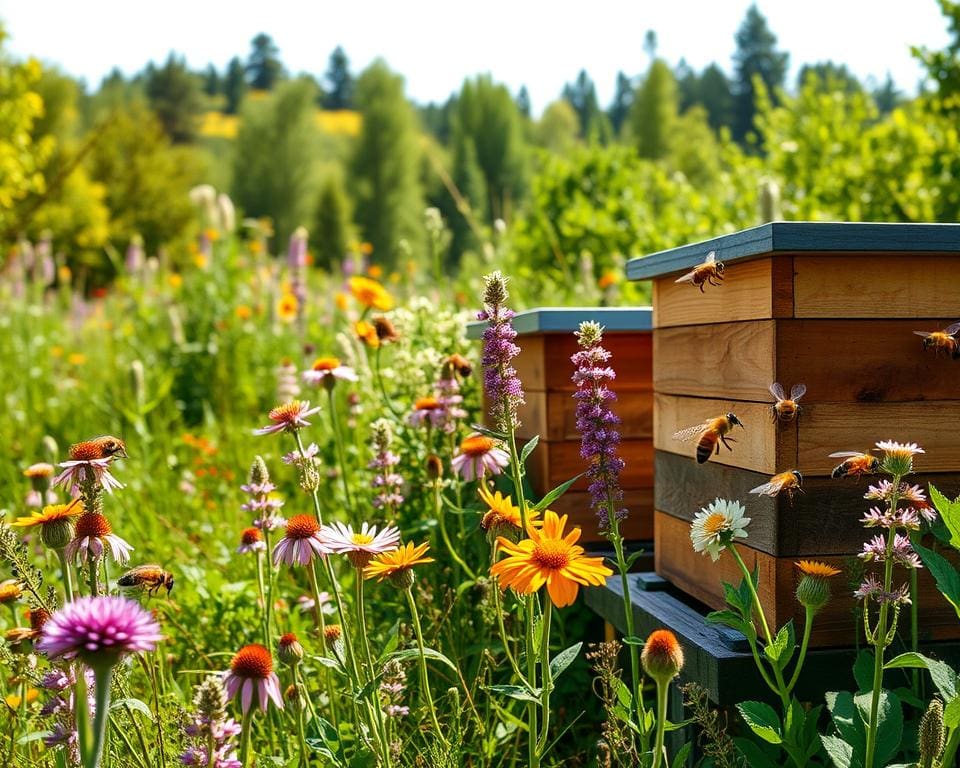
(951, 713)
(35, 736)
(841, 753)
(728, 619)
(734, 598)
(762, 720)
(528, 448)
(949, 513)
(682, 756)
(135, 704)
(940, 672)
(633, 640)
(863, 671)
(623, 694)
(634, 557)
(889, 723)
(517, 692)
(488, 432)
(947, 578)
(780, 651)
(564, 659)
(843, 711)
(555, 494)
(430, 653)
(755, 756)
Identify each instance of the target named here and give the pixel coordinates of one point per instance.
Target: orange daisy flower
(287, 308)
(549, 557)
(397, 565)
(50, 514)
(370, 293)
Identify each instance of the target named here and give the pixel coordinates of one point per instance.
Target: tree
(943, 67)
(264, 68)
(716, 97)
(385, 165)
(622, 101)
(688, 85)
(338, 82)
(582, 96)
(887, 97)
(756, 56)
(330, 233)
(211, 81)
(234, 85)
(523, 101)
(558, 128)
(175, 96)
(830, 75)
(276, 155)
(653, 115)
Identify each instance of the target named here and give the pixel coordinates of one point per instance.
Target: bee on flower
(89, 462)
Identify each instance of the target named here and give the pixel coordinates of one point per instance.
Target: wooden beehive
(833, 306)
(547, 341)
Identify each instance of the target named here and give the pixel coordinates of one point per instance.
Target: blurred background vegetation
(560, 200)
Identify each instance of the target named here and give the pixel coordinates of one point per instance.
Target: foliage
(175, 96)
(756, 58)
(338, 82)
(331, 229)
(653, 114)
(264, 68)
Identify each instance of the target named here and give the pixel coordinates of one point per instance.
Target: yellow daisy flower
(397, 565)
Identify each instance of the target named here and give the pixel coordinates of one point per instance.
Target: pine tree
(264, 68)
(338, 82)
(558, 127)
(943, 66)
(887, 97)
(211, 81)
(175, 96)
(756, 55)
(622, 101)
(830, 75)
(582, 96)
(472, 188)
(330, 233)
(716, 97)
(523, 101)
(234, 85)
(654, 112)
(386, 164)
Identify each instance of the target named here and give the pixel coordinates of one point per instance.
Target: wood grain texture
(829, 427)
(720, 360)
(553, 415)
(864, 360)
(529, 364)
(835, 625)
(553, 463)
(637, 527)
(876, 285)
(746, 294)
(632, 359)
(761, 446)
(825, 520)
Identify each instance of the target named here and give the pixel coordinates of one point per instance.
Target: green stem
(263, 601)
(424, 680)
(268, 561)
(915, 627)
(498, 607)
(101, 716)
(383, 390)
(637, 689)
(245, 737)
(341, 454)
(94, 587)
(547, 680)
(67, 575)
(663, 688)
(320, 625)
(301, 739)
(760, 667)
(440, 514)
(377, 710)
(807, 627)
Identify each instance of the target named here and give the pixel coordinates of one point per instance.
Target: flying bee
(103, 447)
(945, 340)
(786, 408)
(855, 464)
(149, 577)
(710, 434)
(711, 271)
(788, 482)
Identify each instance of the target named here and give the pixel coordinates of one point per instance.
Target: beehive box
(833, 306)
(547, 341)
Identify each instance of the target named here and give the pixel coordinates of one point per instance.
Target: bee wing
(797, 391)
(711, 257)
(777, 391)
(951, 330)
(844, 454)
(687, 278)
(690, 433)
(924, 334)
(768, 489)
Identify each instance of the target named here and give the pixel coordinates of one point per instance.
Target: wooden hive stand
(547, 341)
(832, 306)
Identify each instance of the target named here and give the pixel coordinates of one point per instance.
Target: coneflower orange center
(426, 404)
(286, 413)
(325, 364)
(252, 661)
(93, 524)
(476, 445)
(250, 536)
(288, 639)
(716, 523)
(38, 470)
(302, 527)
(552, 554)
(86, 451)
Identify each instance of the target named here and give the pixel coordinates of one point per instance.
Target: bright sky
(436, 44)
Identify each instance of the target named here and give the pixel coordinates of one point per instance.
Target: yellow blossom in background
(212, 234)
(56, 351)
(370, 293)
(395, 277)
(608, 279)
(64, 274)
(375, 271)
(367, 333)
(175, 280)
(76, 358)
(200, 261)
(366, 248)
(13, 700)
(340, 299)
(256, 247)
(243, 312)
(287, 308)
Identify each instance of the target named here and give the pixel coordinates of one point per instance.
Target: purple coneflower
(360, 546)
(92, 531)
(289, 417)
(597, 423)
(251, 540)
(326, 370)
(300, 543)
(477, 456)
(40, 493)
(428, 411)
(251, 675)
(89, 464)
(500, 380)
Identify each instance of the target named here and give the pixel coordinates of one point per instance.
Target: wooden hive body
(832, 306)
(547, 341)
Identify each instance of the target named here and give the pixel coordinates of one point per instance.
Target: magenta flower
(99, 630)
(289, 417)
(477, 456)
(301, 542)
(360, 546)
(251, 676)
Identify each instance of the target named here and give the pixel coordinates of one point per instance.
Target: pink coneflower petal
(288, 417)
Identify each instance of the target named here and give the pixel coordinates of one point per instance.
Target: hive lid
(797, 236)
(568, 319)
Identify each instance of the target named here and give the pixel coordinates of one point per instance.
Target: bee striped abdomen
(706, 445)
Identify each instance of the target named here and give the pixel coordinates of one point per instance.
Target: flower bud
(402, 579)
(10, 591)
(813, 591)
(210, 700)
(331, 633)
(930, 737)
(289, 650)
(662, 656)
(495, 292)
(56, 534)
(434, 467)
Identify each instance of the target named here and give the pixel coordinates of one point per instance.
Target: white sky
(436, 44)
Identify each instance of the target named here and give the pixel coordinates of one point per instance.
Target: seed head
(259, 474)
(931, 735)
(495, 292)
(662, 656)
(210, 699)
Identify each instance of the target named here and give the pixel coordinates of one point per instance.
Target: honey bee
(855, 464)
(103, 447)
(786, 408)
(788, 481)
(945, 340)
(149, 577)
(711, 271)
(710, 434)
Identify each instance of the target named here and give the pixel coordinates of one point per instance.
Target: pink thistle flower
(99, 630)
(251, 540)
(251, 676)
(360, 546)
(93, 530)
(289, 417)
(301, 542)
(478, 455)
(901, 552)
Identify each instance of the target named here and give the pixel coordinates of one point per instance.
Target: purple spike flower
(597, 423)
(500, 380)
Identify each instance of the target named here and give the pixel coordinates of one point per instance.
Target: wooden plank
(633, 406)
(828, 427)
(637, 527)
(532, 415)
(836, 624)
(564, 462)
(825, 520)
(782, 286)
(721, 360)
(746, 294)
(529, 364)
(632, 359)
(761, 446)
(877, 285)
(882, 361)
